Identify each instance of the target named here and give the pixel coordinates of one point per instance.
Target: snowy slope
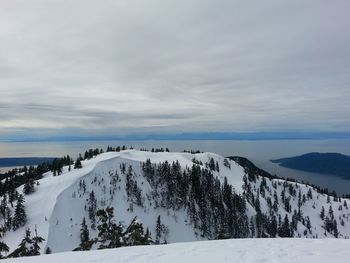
(239, 250)
(39, 205)
(58, 205)
(65, 220)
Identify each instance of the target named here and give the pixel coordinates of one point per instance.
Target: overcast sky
(119, 67)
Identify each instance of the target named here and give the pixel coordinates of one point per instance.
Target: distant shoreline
(7, 162)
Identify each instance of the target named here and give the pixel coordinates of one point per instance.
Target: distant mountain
(325, 163)
(21, 161)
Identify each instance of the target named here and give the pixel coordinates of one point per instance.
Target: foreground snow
(239, 250)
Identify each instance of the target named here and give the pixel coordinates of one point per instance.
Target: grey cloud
(176, 65)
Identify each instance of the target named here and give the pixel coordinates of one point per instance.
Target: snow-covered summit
(196, 209)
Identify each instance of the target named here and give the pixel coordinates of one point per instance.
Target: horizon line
(239, 136)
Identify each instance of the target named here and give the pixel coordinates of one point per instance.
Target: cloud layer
(126, 66)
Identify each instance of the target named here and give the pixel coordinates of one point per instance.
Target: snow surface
(234, 250)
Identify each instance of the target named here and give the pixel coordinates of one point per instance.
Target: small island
(323, 163)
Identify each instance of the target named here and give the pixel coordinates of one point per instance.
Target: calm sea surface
(260, 152)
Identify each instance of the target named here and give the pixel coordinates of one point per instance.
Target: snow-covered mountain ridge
(190, 193)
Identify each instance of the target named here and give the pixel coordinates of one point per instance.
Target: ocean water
(259, 152)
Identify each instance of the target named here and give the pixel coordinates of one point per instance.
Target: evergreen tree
(13, 196)
(36, 240)
(212, 164)
(24, 248)
(335, 229)
(77, 164)
(309, 194)
(92, 202)
(330, 212)
(308, 223)
(294, 223)
(285, 230)
(322, 213)
(3, 206)
(109, 232)
(273, 226)
(328, 224)
(221, 236)
(149, 237)
(135, 235)
(161, 231)
(3, 248)
(252, 227)
(259, 218)
(299, 201)
(85, 243)
(29, 187)
(217, 167)
(158, 230)
(20, 217)
(9, 219)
